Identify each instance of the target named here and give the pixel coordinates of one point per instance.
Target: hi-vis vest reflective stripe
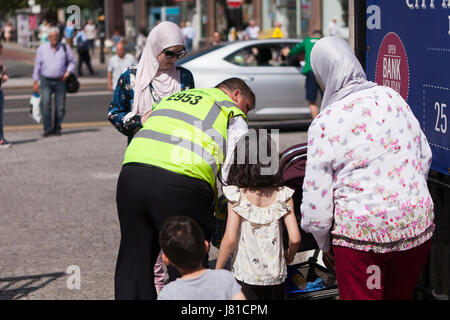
(186, 133)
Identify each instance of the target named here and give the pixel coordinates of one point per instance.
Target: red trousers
(379, 276)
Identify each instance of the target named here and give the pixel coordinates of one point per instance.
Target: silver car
(278, 87)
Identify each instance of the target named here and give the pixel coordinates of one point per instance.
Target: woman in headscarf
(155, 77)
(365, 181)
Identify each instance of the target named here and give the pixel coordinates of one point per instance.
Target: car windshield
(200, 53)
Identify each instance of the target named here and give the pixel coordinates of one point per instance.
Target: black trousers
(84, 57)
(146, 197)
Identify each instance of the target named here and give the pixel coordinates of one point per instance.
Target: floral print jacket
(368, 162)
(122, 100)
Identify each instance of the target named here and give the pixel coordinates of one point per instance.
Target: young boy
(184, 247)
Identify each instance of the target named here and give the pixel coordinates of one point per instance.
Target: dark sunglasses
(171, 54)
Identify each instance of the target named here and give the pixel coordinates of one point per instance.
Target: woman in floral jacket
(156, 76)
(365, 181)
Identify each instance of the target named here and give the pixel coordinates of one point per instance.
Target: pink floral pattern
(368, 162)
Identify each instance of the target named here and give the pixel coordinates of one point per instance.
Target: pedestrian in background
(252, 30)
(44, 31)
(118, 64)
(184, 247)
(69, 31)
(84, 56)
(217, 38)
(3, 78)
(163, 177)
(333, 30)
(8, 32)
(366, 180)
(189, 34)
(140, 42)
(91, 34)
(311, 86)
(278, 30)
(54, 62)
(258, 205)
(116, 37)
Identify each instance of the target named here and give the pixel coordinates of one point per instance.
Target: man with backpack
(54, 63)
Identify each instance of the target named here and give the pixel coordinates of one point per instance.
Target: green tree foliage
(8, 7)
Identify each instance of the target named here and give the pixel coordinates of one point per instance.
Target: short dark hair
(318, 32)
(249, 174)
(236, 83)
(182, 241)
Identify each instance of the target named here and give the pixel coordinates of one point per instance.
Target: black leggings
(255, 292)
(146, 197)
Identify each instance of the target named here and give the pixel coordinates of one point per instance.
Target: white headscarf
(337, 69)
(166, 34)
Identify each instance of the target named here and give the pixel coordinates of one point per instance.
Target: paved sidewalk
(58, 210)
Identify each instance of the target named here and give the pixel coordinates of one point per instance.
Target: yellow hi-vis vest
(186, 133)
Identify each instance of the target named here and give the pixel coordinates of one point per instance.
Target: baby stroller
(306, 280)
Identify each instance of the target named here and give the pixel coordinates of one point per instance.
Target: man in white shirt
(333, 28)
(91, 33)
(118, 64)
(252, 30)
(189, 34)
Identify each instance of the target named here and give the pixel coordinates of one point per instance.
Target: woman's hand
(145, 117)
(289, 256)
(328, 260)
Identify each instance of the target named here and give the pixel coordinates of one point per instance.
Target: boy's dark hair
(236, 83)
(182, 241)
(248, 173)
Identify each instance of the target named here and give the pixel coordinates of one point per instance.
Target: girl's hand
(5, 77)
(289, 257)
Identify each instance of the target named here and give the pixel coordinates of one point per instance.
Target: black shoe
(57, 132)
(46, 134)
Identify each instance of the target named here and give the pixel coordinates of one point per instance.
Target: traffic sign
(234, 3)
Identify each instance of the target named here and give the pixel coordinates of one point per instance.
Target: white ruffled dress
(258, 258)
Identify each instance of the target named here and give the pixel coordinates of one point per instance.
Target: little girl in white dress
(257, 206)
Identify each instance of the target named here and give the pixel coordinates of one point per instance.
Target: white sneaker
(5, 144)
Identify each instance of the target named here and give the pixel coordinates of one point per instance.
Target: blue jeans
(58, 88)
(2, 103)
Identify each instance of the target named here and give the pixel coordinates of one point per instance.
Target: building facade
(297, 17)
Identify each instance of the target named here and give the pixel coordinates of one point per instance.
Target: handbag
(72, 83)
